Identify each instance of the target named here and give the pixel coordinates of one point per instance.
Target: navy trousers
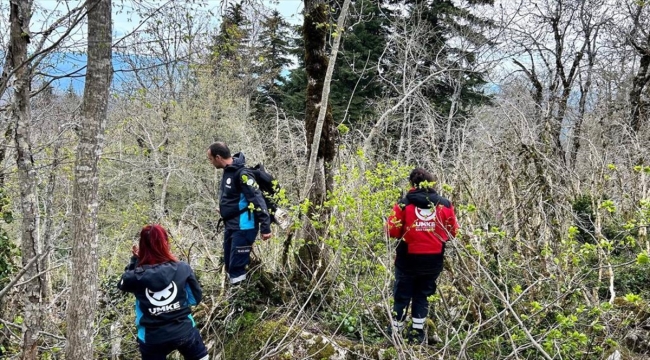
(237, 246)
(414, 288)
(190, 346)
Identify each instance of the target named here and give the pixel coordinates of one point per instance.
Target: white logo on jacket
(162, 297)
(425, 214)
(427, 219)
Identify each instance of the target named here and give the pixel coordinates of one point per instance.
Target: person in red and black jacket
(423, 221)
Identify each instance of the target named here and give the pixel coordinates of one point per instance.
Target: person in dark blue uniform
(242, 209)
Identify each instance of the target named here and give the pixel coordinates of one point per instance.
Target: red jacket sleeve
(395, 223)
(452, 222)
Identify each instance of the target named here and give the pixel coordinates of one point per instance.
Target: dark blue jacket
(238, 190)
(163, 296)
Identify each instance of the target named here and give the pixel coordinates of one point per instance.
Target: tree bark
(20, 15)
(319, 125)
(48, 226)
(639, 38)
(83, 294)
(582, 103)
(641, 79)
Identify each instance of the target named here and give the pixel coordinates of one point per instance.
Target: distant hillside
(69, 70)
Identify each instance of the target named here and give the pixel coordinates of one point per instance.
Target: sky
(290, 9)
(125, 21)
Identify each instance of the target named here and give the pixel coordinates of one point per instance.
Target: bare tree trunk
(641, 79)
(151, 184)
(453, 109)
(83, 295)
(162, 210)
(48, 227)
(403, 131)
(20, 15)
(374, 131)
(639, 38)
(116, 342)
(577, 127)
(319, 125)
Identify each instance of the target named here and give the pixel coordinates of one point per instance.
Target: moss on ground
(257, 339)
(245, 344)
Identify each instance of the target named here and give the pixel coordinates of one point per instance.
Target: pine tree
(276, 56)
(444, 27)
(235, 53)
(355, 85)
(226, 51)
(293, 89)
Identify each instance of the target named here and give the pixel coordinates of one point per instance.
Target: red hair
(154, 246)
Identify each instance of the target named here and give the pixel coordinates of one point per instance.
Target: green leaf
(343, 129)
(632, 298)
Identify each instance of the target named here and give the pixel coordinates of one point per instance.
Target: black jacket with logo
(238, 190)
(163, 296)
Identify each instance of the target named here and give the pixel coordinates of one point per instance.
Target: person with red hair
(164, 290)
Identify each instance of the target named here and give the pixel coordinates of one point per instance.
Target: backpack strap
(403, 202)
(238, 177)
(238, 185)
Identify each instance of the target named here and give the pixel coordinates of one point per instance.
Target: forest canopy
(533, 116)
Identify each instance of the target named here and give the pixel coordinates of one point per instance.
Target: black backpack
(268, 186)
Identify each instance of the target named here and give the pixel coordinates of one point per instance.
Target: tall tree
(83, 294)
(440, 41)
(276, 34)
(316, 16)
(293, 90)
(355, 86)
(321, 133)
(232, 36)
(558, 62)
(452, 34)
(20, 16)
(639, 38)
(236, 50)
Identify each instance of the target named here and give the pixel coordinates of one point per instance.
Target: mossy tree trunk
(316, 60)
(320, 129)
